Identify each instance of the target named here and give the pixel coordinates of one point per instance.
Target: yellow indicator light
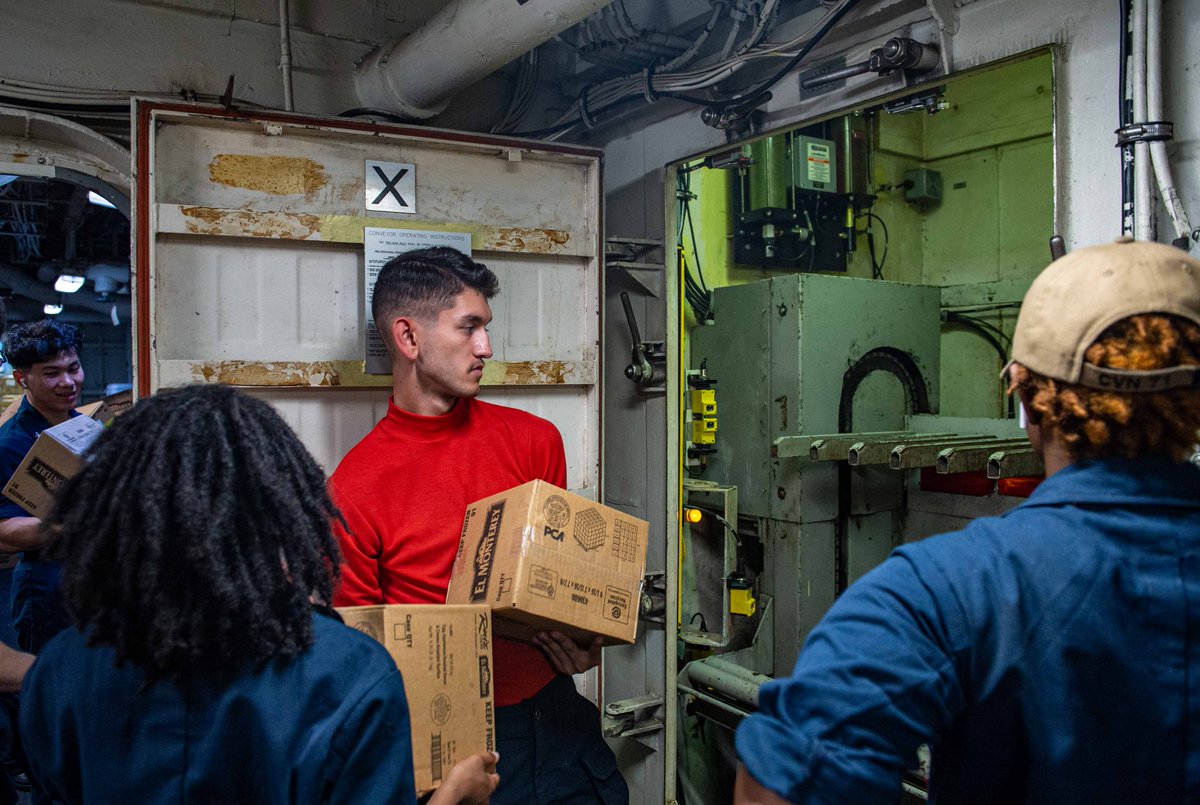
(693, 515)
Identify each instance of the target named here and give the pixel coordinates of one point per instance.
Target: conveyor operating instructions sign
(379, 246)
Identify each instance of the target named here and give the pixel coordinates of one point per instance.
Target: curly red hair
(1096, 424)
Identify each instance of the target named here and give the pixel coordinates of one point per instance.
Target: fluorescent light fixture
(52, 309)
(96, 198)
(6, 178)
(68, 283)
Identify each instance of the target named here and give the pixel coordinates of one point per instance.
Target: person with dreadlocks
(1050, 654)
(205, 664)
(405, 487)
(44, 356)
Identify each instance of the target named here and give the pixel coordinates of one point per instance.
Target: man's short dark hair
(424, 282)
(40, 341)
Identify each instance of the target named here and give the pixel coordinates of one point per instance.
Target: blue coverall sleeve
(11, 456)
(876, 678)
(373, 750)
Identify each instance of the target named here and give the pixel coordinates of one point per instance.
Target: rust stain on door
(251, 224)
(279, 176)
(248, 373)
(536, 241)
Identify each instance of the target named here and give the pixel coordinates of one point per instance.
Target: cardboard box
(545, 559)
(445, 656)
(108, 407)
(56, 455)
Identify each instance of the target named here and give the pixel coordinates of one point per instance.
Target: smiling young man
(45, 360)
(403, 491)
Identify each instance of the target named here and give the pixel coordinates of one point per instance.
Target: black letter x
(389, 186)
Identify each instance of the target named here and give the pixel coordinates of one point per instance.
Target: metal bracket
(653, 603)
(1155, 131)
(649, 365)
(628, 717)
(944, 14)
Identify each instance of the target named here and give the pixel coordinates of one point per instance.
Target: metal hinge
(630, 717)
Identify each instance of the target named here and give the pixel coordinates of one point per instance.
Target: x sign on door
(391, 186)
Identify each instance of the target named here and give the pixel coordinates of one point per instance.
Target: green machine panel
(816, 354)
(781, 350)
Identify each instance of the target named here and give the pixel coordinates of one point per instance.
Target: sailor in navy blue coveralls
(329, 725)
(37, 610)
(1010, 640)
(1052, 654)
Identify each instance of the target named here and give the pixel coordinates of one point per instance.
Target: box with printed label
(545, 559)
(56, 455)
(444, 654)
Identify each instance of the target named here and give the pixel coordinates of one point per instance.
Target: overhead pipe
(465, 41)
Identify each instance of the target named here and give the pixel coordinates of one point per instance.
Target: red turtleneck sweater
(403, 491)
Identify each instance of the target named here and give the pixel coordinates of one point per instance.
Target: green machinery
(808, 354)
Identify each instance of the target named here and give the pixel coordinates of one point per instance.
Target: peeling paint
(249, 223)
(536, 241)
(279, 176)
(247, 373)
(352, 374)
(527, 373)
(20, 157)
(344, 228)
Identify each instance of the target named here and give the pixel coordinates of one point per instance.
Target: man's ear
(404, 337)
(19, 376)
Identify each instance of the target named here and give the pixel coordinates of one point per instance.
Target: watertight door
(249, 264)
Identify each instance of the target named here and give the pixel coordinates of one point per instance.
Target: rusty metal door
(249, 266)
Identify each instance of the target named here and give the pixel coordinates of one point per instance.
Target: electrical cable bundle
(697, 293)
(666, 81)
(997, 338)
(523, 94)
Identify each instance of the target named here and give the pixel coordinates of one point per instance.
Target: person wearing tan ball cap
(1050, 654)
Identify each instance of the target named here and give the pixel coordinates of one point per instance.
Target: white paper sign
(379, 246)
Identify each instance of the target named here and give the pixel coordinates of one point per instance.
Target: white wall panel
(218, 300)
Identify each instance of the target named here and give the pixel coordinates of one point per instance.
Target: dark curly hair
(40, 341)
(423, 282)
(197, 538)
(1096, 424)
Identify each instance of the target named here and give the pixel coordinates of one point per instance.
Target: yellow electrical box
(704, 431)
(741, 599)
(704, 402)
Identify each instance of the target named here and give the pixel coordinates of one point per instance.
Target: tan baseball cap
(1080, 295)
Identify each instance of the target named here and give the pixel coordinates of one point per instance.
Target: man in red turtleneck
(403, 491)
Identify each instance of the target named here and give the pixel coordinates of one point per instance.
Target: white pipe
(1154, 112)
(1142, 199)
(732, 681)
(285, 53)
(465, 41)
